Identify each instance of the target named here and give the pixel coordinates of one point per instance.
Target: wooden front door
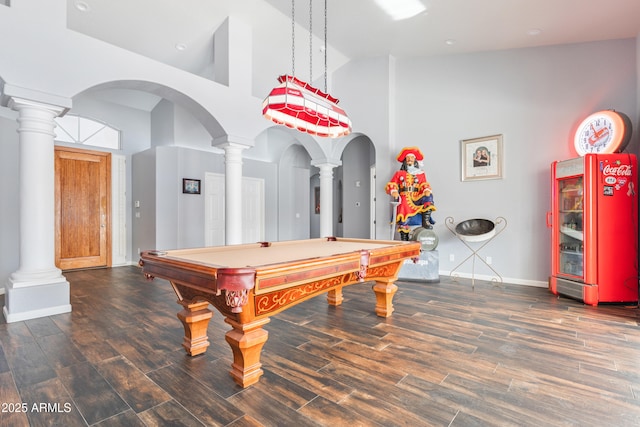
(83, 206)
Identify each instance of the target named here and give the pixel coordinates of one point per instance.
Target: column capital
(225, 141)
(326, 163)
(16, 98)
(20, 104)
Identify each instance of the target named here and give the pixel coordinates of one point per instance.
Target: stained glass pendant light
(298, 105)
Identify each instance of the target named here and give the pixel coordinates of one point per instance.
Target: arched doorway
(356, 189)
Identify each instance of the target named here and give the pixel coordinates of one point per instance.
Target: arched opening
(294, 194)
(356, 189)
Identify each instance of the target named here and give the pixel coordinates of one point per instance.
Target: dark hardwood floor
(449, 356)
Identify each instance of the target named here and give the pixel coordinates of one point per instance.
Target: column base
(31, 300)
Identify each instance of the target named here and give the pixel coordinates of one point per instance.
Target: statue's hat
(410, 150)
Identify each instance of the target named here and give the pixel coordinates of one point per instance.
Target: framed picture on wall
(190, 186)
(481, 158)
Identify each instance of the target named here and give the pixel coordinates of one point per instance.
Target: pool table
(248, 283)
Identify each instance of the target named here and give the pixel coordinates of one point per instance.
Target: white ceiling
(356, 28)
(359, 28)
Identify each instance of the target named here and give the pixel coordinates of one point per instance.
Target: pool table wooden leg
(334, 296)
(246, 341)
(195, 319)
(384, 289)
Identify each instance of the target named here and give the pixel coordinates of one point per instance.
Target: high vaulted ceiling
(355, 28)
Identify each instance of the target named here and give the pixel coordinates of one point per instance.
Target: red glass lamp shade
(300, 106)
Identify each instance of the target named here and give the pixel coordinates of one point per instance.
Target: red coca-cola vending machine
(594, 222)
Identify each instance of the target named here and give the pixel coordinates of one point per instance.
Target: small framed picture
(190, 186)
(481, 158)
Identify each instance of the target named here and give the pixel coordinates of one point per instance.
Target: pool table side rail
(194, 275)
(391, 253)
(287, 275)
(386, 262)
(204, 276)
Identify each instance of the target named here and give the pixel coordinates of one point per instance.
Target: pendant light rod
(325, 46)
(293, 38)
(311, 41)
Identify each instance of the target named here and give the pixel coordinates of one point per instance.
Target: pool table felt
(252, 255)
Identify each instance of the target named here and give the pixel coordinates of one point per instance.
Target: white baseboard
(489, 278)
(34, 314)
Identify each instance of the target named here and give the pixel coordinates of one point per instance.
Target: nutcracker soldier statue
(409, 186)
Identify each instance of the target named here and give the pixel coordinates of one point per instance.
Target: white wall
(533, 97)
(367, 92)
(143, 220)
(9, 196)
(170, 219)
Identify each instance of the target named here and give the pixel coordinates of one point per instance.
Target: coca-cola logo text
(622, 170)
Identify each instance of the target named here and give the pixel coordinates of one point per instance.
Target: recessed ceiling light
(82, 6)
(450, 42)
(181, 46)
(401, 9)
(534, 32)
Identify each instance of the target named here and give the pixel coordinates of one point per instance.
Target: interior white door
(252, 210)
(300, 226)
(214, 209)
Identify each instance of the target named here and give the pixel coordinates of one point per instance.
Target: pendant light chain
(310, 42)
(325, 47)
(293, 38)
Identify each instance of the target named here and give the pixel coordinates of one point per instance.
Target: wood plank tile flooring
(449, 356)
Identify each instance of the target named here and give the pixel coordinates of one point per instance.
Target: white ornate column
(326, 197)
(38, 287)
(232, 189)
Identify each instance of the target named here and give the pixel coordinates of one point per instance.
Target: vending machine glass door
(570, 227)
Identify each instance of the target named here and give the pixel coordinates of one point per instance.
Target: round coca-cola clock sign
(603, 132)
